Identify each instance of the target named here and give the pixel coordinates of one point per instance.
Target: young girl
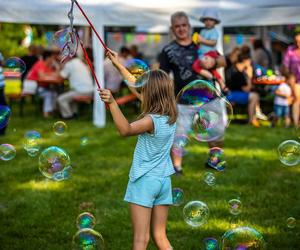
(149, 190)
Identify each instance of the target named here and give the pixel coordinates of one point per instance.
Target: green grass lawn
(36, 213)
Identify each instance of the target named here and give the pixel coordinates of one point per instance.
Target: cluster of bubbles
(240, 238)
(54, 162)
(289, 155)
(86, 238)
(207, 114)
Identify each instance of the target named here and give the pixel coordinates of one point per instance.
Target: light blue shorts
(149, 191)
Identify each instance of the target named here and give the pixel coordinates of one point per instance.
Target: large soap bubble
(195, 213)
(242, 238)
(54, 161)
(289, 152)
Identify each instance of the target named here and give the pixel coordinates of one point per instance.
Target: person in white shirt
(81, 84)
(112, 77)
(283, 100)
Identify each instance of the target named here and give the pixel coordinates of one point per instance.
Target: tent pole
(220, 46)
(99, 112)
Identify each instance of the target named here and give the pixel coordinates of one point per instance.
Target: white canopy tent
(145, 15)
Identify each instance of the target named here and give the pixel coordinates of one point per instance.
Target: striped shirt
(152, 151)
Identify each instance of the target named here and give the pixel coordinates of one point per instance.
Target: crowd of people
(44, 77)
(241, 70)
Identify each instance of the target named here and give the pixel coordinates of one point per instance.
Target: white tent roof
(154, 12)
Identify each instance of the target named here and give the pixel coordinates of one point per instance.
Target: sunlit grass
(41, 185)
(37, 213)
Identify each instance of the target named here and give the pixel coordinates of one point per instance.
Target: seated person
(206, 67)
(42, 68)
(239, 83)
(81, 83)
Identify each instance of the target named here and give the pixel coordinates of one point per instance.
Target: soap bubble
(210, 111)
(289, 152)
(235, 206)
(15, 65)
(7, 152)
(67, 41)
(32, 142)
(216, 158)
(84, 141)
(62, 175)
(60, 128)
(197, 93)
(86, 220)
(88, 239)
(195, 213)
(180, 141)
(209, 178)
(210, 120)
(210, 244)
(4, 115)
(242, 238)
(61, 37)
(291, 222)
(53, 161)
(178, 197)
(138, 69)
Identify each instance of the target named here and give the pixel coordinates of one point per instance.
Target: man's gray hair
(178, 14)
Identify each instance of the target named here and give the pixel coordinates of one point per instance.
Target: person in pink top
(291, 63)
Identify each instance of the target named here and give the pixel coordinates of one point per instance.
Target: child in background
(283, 100)
(2, 83)
(206, 67)
(149, 190)
(207, 40)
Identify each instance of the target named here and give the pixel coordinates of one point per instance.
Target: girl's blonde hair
(158, 95)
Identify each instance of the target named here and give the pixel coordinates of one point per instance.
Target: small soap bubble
(7, 152)
(178, 196)
(59, 128)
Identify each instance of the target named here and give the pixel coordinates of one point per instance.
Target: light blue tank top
(152, 151)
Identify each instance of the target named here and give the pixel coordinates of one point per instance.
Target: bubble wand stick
(72, 30)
